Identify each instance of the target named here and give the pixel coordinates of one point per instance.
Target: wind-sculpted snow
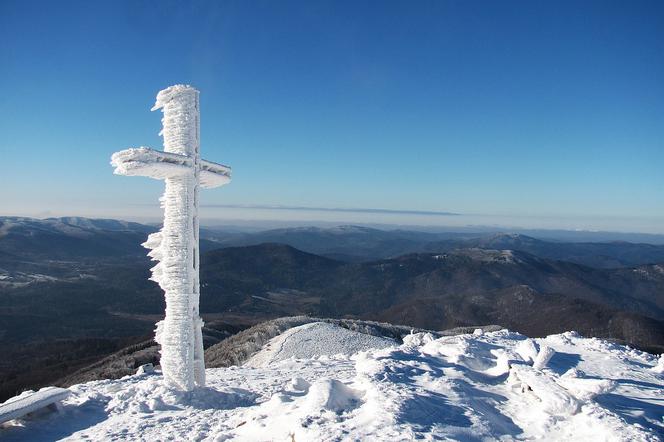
(143, 161)
(468, 387)
(176, 246)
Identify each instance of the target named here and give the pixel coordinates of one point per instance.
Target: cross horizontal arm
(213, 174)
(143, 161)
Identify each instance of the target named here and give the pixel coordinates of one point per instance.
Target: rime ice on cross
(175, 247)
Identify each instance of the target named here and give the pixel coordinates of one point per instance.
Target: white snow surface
(30, 402)
(313, 340)
(466, 387)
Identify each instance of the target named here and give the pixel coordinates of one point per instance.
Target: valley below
(73, 290)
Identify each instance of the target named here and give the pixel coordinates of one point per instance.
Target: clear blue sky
(550, 111)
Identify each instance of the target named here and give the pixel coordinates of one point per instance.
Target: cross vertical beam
(176, 245)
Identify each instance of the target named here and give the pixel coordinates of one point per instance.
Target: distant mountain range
(356, 244)
(73, 290)
(460, 288)
(77, 238)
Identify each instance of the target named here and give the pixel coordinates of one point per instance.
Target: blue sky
(538, 114)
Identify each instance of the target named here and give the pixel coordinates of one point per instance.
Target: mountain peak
(505, 256)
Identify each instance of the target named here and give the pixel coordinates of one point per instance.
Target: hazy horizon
(263, 217)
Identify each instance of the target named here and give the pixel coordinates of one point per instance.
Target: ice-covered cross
(175, 246)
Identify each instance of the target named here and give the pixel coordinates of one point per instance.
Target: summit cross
(175, 246)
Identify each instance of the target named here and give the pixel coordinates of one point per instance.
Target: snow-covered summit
(480, 386)
(314, 340)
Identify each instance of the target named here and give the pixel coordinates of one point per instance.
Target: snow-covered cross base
(175, 246)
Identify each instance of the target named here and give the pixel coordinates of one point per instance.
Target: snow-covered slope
(469, 387)
(313, 340)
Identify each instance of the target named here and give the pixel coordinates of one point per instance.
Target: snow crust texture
(467, 387)
(314, 340)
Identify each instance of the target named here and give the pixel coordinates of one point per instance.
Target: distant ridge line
(334, 209)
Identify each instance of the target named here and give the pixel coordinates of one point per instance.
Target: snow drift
(476, 386)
